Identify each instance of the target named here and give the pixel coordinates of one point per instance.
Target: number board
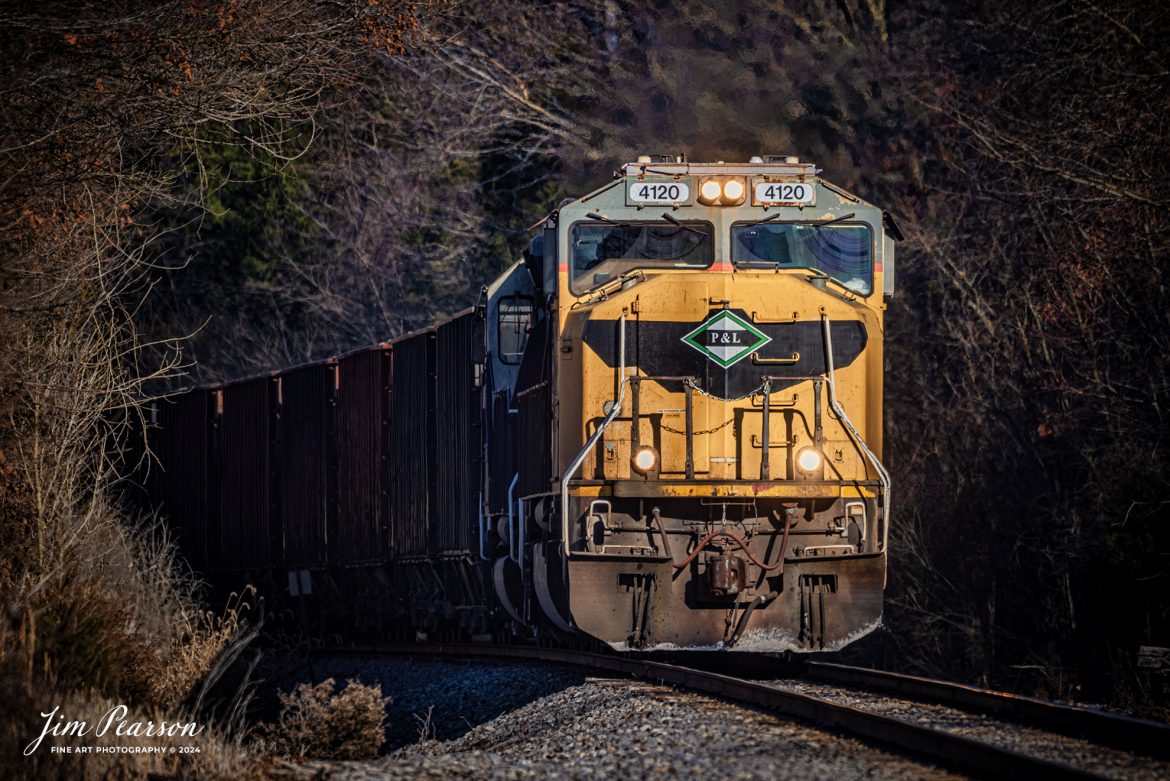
(784, 194)
(639, 193)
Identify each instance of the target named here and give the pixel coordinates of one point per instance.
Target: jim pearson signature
(116, 720)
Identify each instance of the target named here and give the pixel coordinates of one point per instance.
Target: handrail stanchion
(592, 442)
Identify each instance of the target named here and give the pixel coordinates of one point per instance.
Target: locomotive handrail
(511, 517)
(839, 411)
(623, 380)
(483, 524)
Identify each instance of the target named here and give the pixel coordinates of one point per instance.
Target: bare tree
(97, 98)
(421, 178)
(1031, 346)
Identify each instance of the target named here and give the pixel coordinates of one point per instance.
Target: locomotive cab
(698, 412)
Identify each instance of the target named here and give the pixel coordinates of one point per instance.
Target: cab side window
(513, 322)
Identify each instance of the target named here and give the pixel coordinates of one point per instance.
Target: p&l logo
(726, 338)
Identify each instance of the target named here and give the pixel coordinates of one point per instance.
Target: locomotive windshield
(603, 251)
(844, 251)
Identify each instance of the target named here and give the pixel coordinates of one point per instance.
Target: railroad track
(701, 672)
(1107, 729)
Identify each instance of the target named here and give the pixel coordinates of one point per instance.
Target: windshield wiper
(816, 273)
(601, 290)
(603, 218)
(823, 223)
(674, 221)
(813, 223)
(775, 216)
(665, 216)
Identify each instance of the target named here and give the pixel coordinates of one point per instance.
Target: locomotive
(660, 428)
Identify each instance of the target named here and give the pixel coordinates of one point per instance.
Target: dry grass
(113, 622)
(97, 606)
(100, 610)
(317, 723)
(115, 613)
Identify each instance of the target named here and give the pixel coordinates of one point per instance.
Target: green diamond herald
(726, 338)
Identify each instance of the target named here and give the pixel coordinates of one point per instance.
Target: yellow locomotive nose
(717, 360)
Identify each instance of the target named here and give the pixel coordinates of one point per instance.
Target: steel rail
(1139, 736)
(1110, 729)
(948, 749)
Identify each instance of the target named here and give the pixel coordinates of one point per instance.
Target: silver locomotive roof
(769, 166)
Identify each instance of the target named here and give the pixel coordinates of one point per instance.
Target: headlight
(645, 459)
(808, 459)
(709, 191)
(722, 191)
(733, 191)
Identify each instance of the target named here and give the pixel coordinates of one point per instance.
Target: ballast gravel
(1081, 754)
(589, 728)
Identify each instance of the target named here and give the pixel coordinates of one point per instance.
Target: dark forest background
(207, 190)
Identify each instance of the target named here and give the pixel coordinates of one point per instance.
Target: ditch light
(645, 459)
(808, 459)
